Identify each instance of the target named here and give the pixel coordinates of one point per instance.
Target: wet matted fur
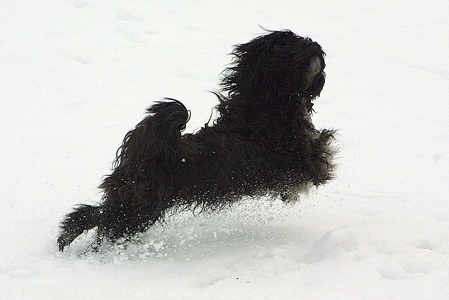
(262, 143)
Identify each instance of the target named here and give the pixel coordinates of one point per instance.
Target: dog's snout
(315, 66)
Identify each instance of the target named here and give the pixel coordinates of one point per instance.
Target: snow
(76, 75)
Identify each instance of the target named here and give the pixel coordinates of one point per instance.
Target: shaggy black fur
(263, 143)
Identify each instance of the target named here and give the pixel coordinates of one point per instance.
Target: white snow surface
(76, 75)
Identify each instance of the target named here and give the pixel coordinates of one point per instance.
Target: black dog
(263, 143)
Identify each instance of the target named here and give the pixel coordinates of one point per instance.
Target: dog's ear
(249, 72)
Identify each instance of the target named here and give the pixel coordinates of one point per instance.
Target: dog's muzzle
(315, 66)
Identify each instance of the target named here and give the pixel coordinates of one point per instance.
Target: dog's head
(277, 66)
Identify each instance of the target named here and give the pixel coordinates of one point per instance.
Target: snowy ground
(75, 76)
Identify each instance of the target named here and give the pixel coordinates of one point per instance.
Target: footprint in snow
(79, 4)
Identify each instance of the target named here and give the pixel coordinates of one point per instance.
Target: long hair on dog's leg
(83, 217)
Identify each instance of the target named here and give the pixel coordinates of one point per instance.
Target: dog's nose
(315, 66)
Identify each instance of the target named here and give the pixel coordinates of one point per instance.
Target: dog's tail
(84, 217)
(160, 129)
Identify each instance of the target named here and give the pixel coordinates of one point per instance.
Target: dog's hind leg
(141, 187)
(84, 217)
